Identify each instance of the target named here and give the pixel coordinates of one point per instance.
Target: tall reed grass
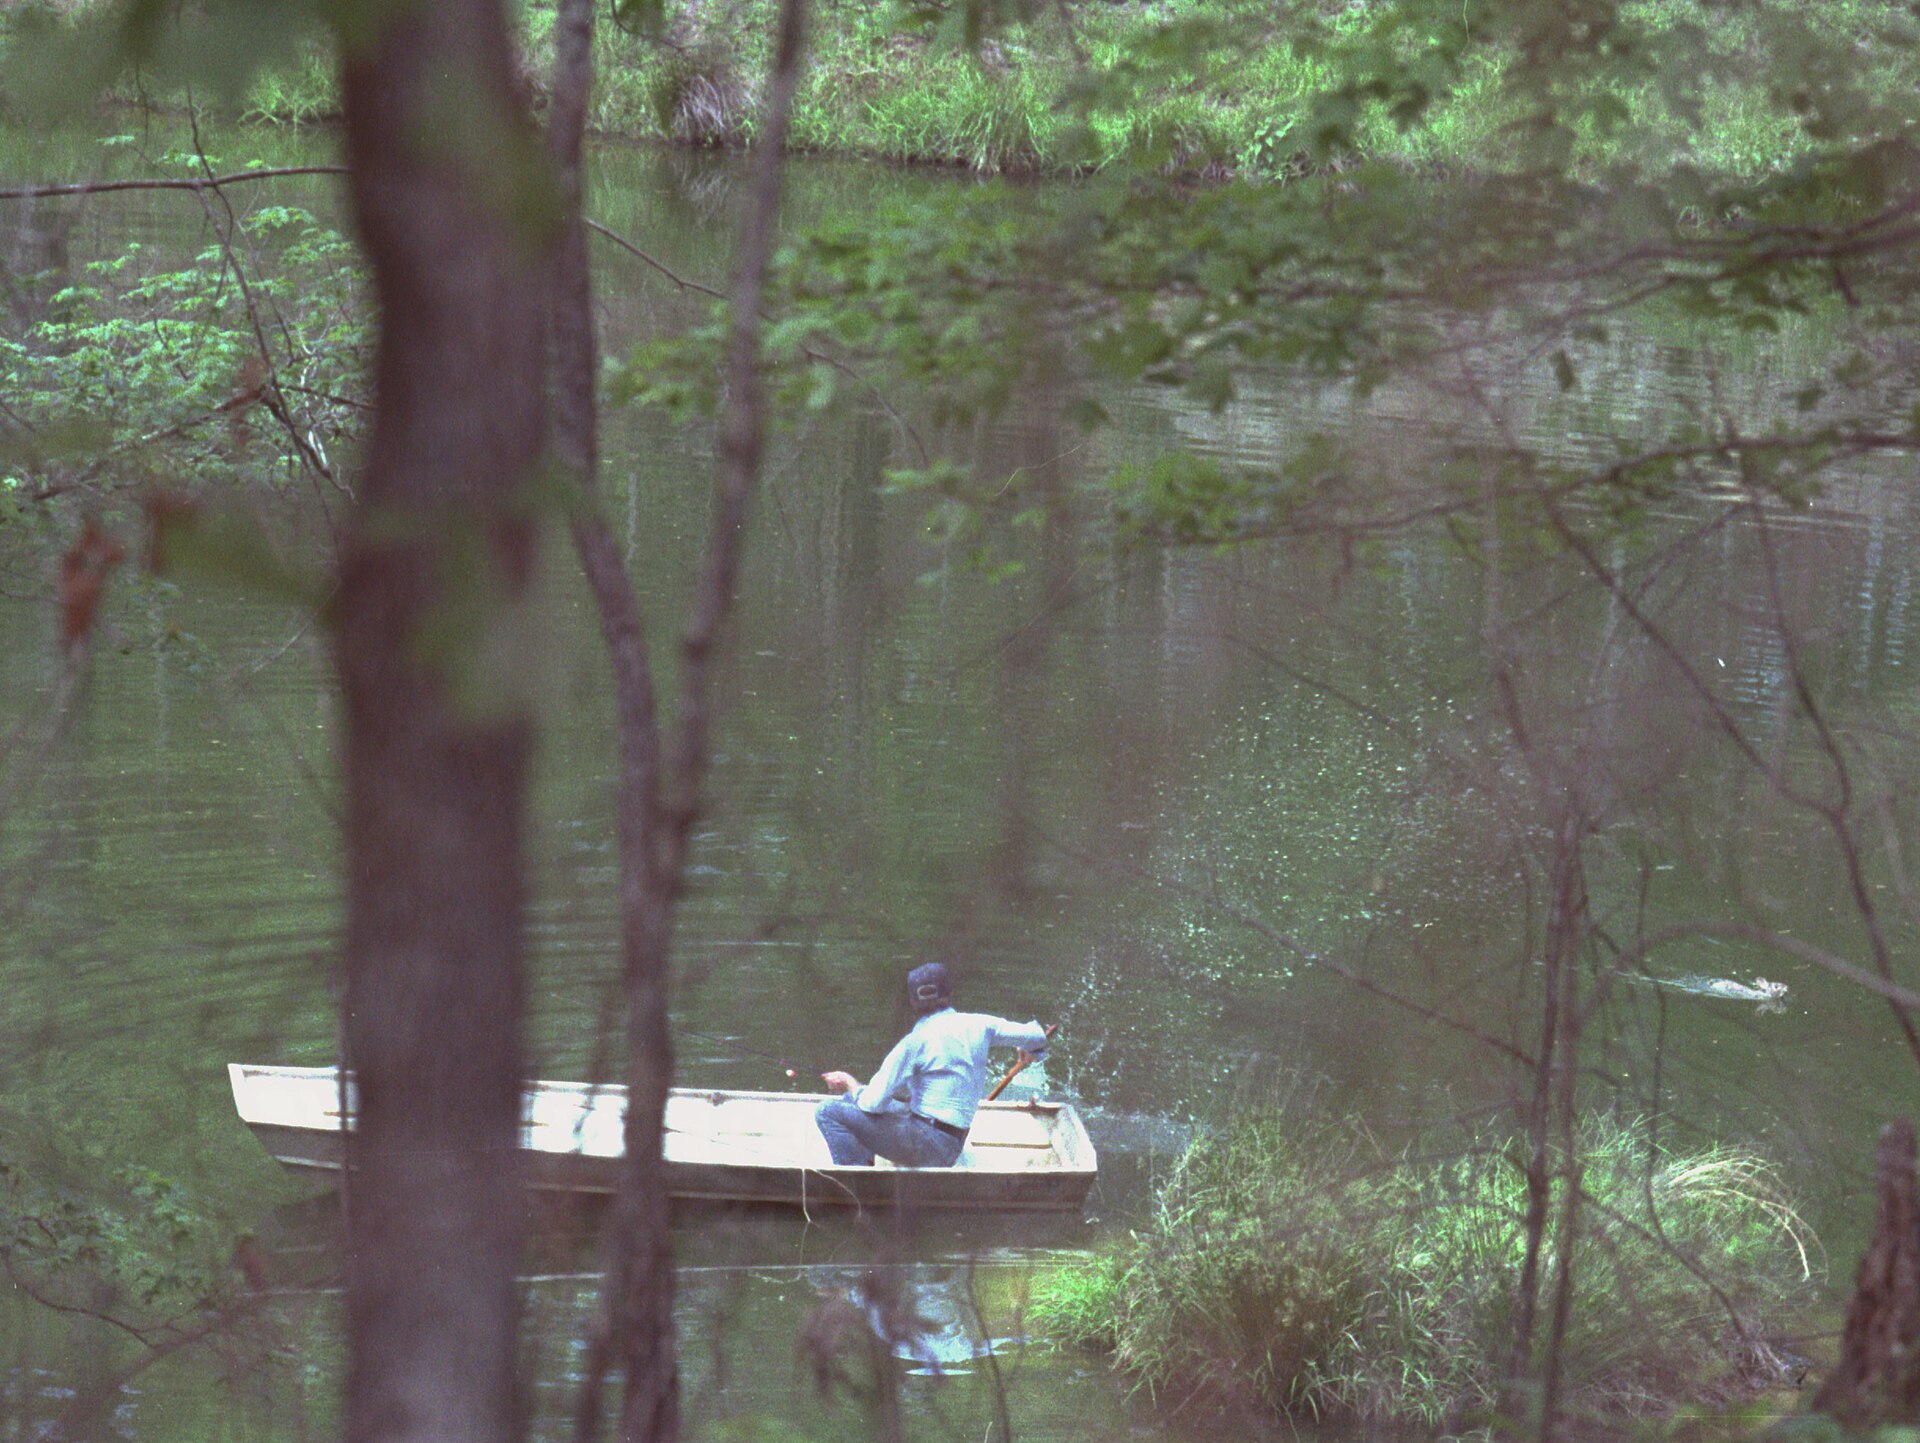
(1309, 1273)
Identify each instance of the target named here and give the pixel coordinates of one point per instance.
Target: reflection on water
(934, 1324)
(789, 1330)
(41, 1392)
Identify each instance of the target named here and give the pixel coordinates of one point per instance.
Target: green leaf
(940, 475)
(823, 382)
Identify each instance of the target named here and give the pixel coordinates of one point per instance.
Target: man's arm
(889, 1081)
(1029, 1037)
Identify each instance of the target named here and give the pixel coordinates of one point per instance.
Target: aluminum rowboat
(742, 1146)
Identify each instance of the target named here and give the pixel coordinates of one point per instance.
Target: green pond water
(1096, 789)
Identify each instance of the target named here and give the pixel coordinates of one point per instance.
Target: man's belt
(948, 1128)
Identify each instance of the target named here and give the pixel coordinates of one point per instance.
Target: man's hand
(1027, 1057)
(839, 1082)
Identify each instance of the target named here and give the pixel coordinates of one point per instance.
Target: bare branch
(197, 183)
(810, 352)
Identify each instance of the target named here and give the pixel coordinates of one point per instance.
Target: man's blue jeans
(854, 1136)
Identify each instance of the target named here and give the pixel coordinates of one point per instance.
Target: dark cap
(929, 988)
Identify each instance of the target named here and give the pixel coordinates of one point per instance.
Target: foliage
(301, 92)
(1205, 87)
(190, 376)
(1310, 1272)
(971, 301)
(1773, 180)
(87, 1233)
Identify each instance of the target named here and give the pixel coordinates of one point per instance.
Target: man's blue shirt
(939, 1069)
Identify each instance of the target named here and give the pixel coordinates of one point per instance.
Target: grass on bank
(1308, 1274)
(873, 90)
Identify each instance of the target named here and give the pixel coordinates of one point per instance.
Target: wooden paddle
(1018, 1067)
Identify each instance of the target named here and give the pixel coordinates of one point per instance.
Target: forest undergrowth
(1305, 1271)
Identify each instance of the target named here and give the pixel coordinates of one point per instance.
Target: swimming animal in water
(1767, 994)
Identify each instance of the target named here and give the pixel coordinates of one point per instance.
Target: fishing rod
(784, 1063)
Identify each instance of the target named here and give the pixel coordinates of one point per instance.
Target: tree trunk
(435, 559)
(636, 1317)
(659, 800)
(1877, 1380)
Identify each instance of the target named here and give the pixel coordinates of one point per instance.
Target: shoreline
(1021, 104)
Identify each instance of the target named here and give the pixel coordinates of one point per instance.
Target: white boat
(743, 1146)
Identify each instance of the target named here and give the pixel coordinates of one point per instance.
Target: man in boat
(917, 1108)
